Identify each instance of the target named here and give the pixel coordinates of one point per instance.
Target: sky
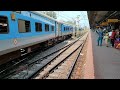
(71, 15)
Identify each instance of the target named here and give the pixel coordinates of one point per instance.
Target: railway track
(62, 66)
(25, 67)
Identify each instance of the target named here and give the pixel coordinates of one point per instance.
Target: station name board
(112, 20)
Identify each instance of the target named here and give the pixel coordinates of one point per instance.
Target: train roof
(46, 16)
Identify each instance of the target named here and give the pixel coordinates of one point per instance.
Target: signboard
(15, 41)
(112, 20)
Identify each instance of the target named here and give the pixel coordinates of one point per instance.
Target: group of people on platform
(111, 38)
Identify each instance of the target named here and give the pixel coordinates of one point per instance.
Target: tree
(70, 22)
(51, 14)
(54, 15)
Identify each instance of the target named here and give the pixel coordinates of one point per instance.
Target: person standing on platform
(100, 37)
(106, 38)
(110, 33)
(113, 37)
(117, 39)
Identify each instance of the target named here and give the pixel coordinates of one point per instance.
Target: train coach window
(3, 24)
(64, 28)
(38, 27)
(52, 28)
(24, 26)
(46, 27)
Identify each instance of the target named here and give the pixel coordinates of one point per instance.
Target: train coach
(22, 32)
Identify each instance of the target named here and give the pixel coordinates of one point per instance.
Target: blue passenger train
(24, 31)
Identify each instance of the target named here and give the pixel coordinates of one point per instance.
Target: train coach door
(59, 29)
(56, 33)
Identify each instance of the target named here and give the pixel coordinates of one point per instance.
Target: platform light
(104, 24)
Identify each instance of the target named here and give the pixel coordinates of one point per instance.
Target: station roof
(97, 17)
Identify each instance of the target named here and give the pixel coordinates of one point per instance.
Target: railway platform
(101, 62)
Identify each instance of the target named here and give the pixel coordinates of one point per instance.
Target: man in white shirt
(110, 33)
